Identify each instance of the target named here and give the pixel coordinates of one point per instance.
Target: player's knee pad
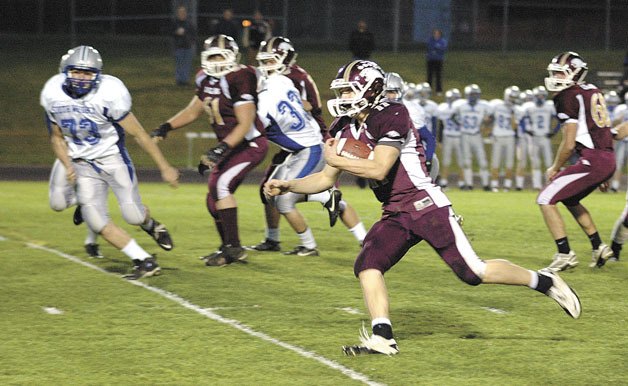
(133, 214)
(95, 217)
(57, 202)
(286, 202)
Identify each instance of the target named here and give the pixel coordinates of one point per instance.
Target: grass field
(281, 320)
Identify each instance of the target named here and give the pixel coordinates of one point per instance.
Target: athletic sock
(307, 238)
(519, 180)
(595, 240)
(563, 245)
(359, 232)
(272, 234)
(91, 236)
(616, 247)
(382, 327)
(134, 251)
(229, 219)
(321, 197)
(540, 282)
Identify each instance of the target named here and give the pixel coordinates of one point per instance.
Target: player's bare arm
(314, 183)
(189, 114)
(132, 126)
(620, 132)
(245, 114)
(376, 169)
(60, 148)
(565, 149)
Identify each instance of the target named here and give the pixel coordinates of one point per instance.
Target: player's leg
(459, 158)
(496, 153)
(480, 155)
(619, 234)
(509, 163)
(286, 206)
(535, 161)
(447, 152)
(351, 220)
(467, 163)
(620, 158)
(522, 162)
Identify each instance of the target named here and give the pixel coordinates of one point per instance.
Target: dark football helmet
(81, 58)
(275, 55)
(472, 92)
(219, 45)
(565, 70)
(393, 83)
(365, 80)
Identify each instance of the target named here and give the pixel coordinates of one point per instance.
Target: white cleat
(564, 295)
(563, 261)
(600, 256)
(372, 344)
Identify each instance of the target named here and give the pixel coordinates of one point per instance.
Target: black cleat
(228, 255)
(267, 245)
(78, 216)
(144, 268)
(93, 251)
(160, 234)
(333, 206)
(302, 251)
(213, 254)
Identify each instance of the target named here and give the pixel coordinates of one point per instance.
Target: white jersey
(431, 110)
(469, 116)
(503, 117)
(417, 114)
(89, 124)
(282, 113)
(445, 113)
(539, 117)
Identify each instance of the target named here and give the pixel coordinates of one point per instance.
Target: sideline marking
(221, 319)
(52, 310)
(350, 310)
(495, 310)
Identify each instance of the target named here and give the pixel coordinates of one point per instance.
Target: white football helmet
(612, 98)
(565, 70)
(219, 45)
(473, 93)
(393, 83)
(424, 91)
(511, 94)
(452, 95)
(362, 77)
(540, 95)
(83, 58)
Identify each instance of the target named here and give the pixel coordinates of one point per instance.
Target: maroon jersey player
(414, 209)
(585, 121)
(227, 92)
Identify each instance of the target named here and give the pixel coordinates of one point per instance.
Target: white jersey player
(503, 138)
(523, 140)
(450, 137)
(87, 114)
(422, 97)
(538, 127)
(618, 114)
(471, 114)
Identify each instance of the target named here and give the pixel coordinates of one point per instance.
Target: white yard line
(218, 318)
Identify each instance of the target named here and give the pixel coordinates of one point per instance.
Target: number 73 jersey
(89, 124)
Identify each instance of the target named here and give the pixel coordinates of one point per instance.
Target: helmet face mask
(472, 92)
(452, 95)
(540, 95)
(393, 83)
(359, 85)
(565, 70)
(424, 91)
(220, 55)
(511, 94)
(77, 65)
(275, 55)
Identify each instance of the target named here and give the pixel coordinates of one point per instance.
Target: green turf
(146, 66)
(112, 332)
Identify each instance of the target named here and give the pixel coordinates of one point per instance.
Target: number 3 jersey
(282, 113)
(584, 105)
(89, 124)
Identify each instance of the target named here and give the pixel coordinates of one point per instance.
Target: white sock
(507, 183)
(615, 184)
(134, 251)
(272, 234)
(377, 321)
(307, 239)
(359, 231)
(443, 182)
(91, 236)
(468, 177)
(484, 176)
(536, 179)
(321, 197)
(534, 279)
(519, 181)
(494, 183)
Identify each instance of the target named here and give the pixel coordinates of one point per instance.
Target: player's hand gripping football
(331, 153)
(274, 188)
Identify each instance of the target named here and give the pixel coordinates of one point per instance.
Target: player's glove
(214, 155)
(161, 131)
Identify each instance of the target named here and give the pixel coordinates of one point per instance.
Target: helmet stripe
(269, 45)
(348, 71)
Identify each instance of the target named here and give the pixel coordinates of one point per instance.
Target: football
(353, 149)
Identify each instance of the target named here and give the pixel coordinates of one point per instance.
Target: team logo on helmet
(220, 55)
(275, 55)
(359, 85)
(565, 70)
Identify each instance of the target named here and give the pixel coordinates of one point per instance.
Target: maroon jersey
(584, 105)
(222, 95)
(407, 187)
(309, 92)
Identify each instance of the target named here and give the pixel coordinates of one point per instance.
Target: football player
(226, 92)
(472, 113)
(284, 111)
(585, 123)
(538, 117)
(414, 208)
(450, 137)
(523, 141)
(619, 114)
(62, 195)
(87, 114)
(503, 137)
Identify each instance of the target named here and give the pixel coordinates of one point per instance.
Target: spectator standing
(436, 48)
(255, 32)
(361, 42)
(226, 25)
(184, 46)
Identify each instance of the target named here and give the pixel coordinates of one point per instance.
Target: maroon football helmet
(275, 55)
(219, 45)
(364, 79)
(565, 70)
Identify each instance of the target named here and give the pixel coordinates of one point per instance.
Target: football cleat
(213, 254)
(160, 234)
(78, 216)
(228, 255)
(564, 295)
(267, 245)
(333, 206)
(373, 344)
(144, 268)
(93, 251)
(600, 256)
(302, 251)
(563, 261)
